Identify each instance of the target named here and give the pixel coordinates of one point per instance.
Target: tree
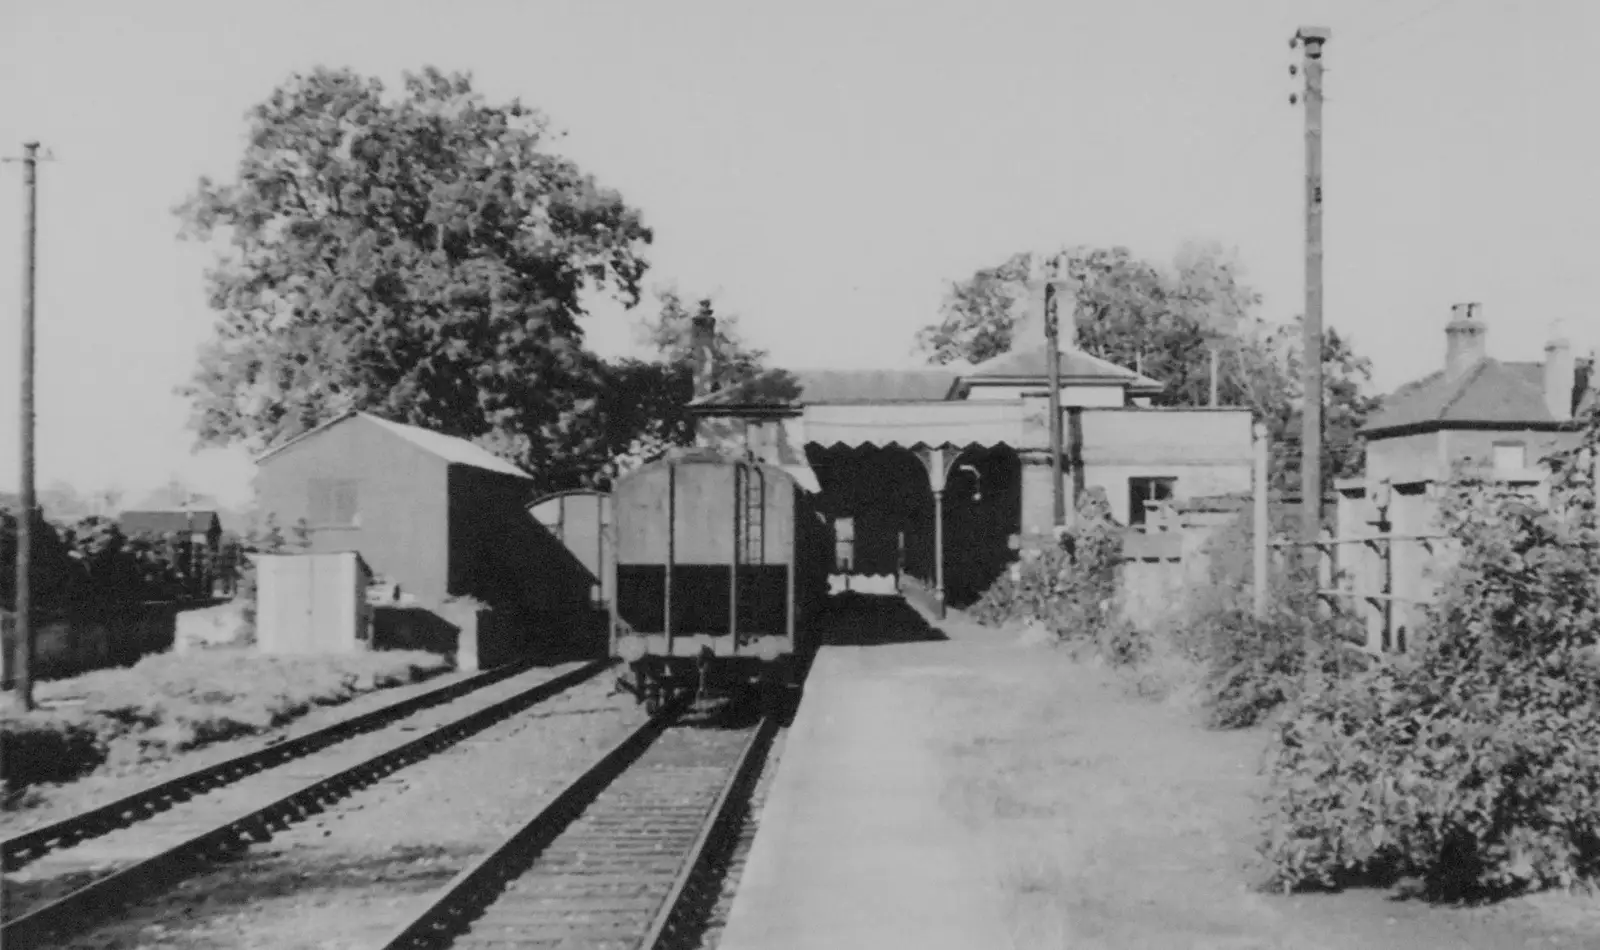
(1167, 322)
(423, 258)
(645, 405)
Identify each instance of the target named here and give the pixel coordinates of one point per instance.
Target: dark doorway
(982, 511)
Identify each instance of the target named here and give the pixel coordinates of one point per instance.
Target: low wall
(91, 638)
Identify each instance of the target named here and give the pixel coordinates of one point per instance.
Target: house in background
(197, 532)
(933, 474)
(1477, 415)
(437, 515)
(1492, 416)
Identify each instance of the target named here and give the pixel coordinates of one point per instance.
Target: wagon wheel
(652, 698)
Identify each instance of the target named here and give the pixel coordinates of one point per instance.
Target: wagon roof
(451, 449)
(802, 475)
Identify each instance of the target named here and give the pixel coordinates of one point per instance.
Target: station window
(333, 503)
(1510, 457)
(1145, 490)
(844, 545)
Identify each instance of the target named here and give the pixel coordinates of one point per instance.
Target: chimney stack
(1028, 331)
(1464, 339)
(702, 349)
(1560, 373)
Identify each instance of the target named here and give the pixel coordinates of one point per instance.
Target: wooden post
(672, 552)
(1312, 38)
(1263, 527)
(733, 561)
(938, 549)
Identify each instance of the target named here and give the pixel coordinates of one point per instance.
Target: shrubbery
(169, 703)
(1474, 762)
(1070, 587)
(1251, 665)
(90, 561)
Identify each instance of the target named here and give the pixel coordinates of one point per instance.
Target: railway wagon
(581, 520)
(720, 565)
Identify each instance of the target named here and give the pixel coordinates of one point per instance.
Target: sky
(826, 169)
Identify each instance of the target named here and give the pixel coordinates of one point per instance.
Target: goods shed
(440, 516)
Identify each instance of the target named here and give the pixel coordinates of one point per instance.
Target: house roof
(837, 386)
(168, 522)
(453, 450)
(1490, 391)
(1076, 366)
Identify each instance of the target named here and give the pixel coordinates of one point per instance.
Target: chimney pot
(702, 348)
(1465, 344)
(1560, 373)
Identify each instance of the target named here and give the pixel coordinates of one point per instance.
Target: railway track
(144, 845)
(626, 856)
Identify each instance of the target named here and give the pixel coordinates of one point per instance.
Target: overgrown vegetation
(1472, 764)
(166, 704)
(91, 561)
(1250, 666)
(1069, 587)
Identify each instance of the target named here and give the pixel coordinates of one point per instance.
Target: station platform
(854, 850)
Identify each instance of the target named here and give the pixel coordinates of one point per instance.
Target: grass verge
(1114, 822)
(167, 704)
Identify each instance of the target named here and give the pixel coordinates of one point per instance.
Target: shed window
(1145, 491)
(1510, 456)
(844, 545)
(333, 503)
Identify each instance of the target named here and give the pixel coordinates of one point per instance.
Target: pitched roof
(168, 522)
(835, 386)
(1076, 366)
(1490, 391)
(453, 450)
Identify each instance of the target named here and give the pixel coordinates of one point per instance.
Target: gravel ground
(56, 874)
(351, 875)
(51, 803)
(711, 937)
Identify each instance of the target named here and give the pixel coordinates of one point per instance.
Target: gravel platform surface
(351, 875)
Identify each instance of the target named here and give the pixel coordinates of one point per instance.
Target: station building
(934, 476)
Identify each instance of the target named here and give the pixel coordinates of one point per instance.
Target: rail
(449, 915)
(18, 850)
(88, 905)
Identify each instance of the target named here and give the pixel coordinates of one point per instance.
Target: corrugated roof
(1489, 391)
(1076, 365)
(453, 450)
(811, 387)
(167, 522)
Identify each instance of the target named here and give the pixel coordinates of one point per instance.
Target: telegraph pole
(1311, 39)
(24, 649)
(1052, 335)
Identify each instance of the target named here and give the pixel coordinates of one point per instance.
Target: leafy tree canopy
(1167, 321)
(422, 257)
(646, 403)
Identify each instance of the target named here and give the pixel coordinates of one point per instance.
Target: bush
(1253, 665)
(1473, 764)
(166, 704)
(1070, 587)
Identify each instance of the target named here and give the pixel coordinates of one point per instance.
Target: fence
(1389, 555)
